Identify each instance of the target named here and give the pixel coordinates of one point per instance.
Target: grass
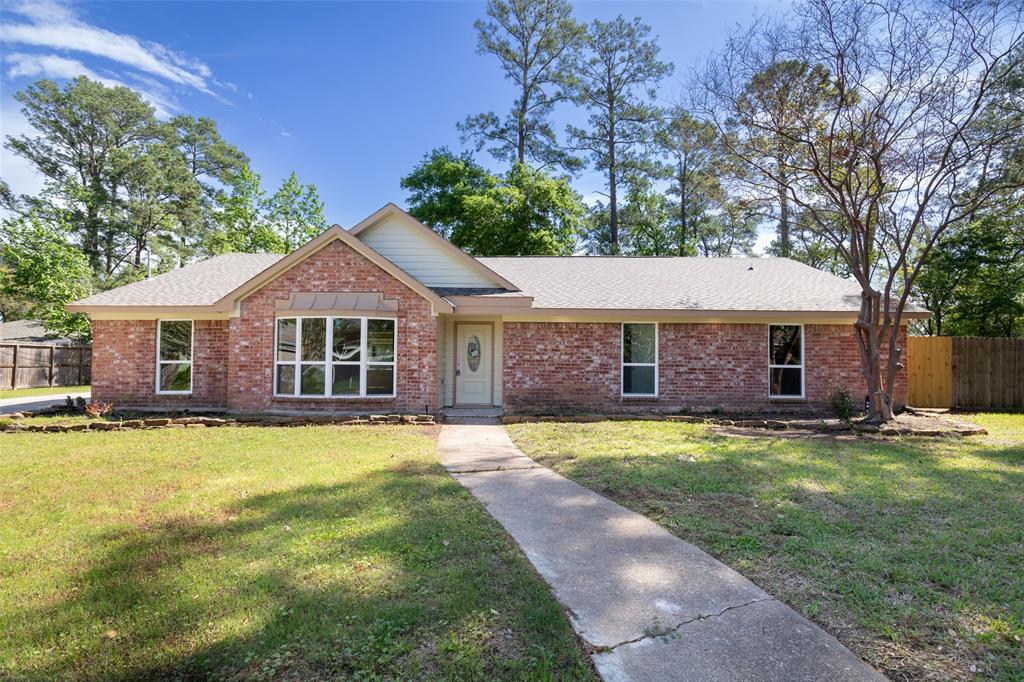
(909, 551)
(56, 391)
(261, 553)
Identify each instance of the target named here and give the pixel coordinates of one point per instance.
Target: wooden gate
(967, 372)
(930, 371)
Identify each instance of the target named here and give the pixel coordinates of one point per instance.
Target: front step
(472, 415)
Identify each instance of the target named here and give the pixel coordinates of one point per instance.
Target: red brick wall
(335, 268)
(576, 366)
(124, 364)
(233, 359)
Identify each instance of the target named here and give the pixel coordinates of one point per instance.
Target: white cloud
(49, 39)
(52, 25)
(53, 66)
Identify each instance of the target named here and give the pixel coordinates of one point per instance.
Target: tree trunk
(785, 248)
(871, 330)
(523, 106)
(682, 209)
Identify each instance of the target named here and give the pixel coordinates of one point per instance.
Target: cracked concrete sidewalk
(652, 606)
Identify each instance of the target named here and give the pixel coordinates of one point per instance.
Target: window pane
(638, 344)
(346, 380)
(380, 340)
(314, 338)
(380, 380)
(312, 379)
(176, 376)
(346, 339)
(786, 381)
(286, 340)
(176, 340)
(638, 380)
(286, 379)
(785, 345)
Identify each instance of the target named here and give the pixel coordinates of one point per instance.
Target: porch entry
(474, 363)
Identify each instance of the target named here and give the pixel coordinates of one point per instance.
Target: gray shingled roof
(29, 331)
(624, 282)
(574, 282)
(202, 283)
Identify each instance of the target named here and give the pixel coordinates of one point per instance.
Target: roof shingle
(674, 283)
(198, 284)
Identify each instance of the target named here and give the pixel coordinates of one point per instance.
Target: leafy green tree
(296, 212)
(438, 185)
(782, 94)
(534, 40)
(730, 231)
(615, 79)
(43, 271)
(216, 166)
(524, 212)
(527, 213)
(696, 164)
(88, 135)
(129, 186)
(241, 223)
(973, 281)
(646, 223)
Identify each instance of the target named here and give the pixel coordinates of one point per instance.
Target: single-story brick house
(390, 317)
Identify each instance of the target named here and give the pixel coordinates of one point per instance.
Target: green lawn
(910, 551)
(261, 553)
(58, 391)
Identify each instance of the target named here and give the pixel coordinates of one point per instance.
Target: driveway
(35, 402)
(652, 606)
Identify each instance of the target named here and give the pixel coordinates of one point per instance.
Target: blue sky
(349, 95)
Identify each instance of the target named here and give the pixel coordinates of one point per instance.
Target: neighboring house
(29, 331)
(390, 317)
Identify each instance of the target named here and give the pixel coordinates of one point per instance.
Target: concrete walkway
(35, 402)
(653, 606)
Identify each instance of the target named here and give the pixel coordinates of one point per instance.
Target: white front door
(474, 364)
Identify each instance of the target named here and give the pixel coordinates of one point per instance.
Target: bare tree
(884, 154)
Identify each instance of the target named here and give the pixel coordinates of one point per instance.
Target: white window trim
(328, 364)
(623, 365)
(191, 357)
(771, 366)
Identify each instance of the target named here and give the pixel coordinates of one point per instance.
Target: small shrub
(80, 403)
(98, 409)
(841, 404)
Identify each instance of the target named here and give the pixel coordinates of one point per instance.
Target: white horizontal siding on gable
(422, 257)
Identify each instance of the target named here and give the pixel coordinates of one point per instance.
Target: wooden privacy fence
(31, 365)
(967, 372)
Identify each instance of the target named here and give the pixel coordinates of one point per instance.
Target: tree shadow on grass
(397, 574)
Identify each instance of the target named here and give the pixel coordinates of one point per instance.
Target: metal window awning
(314, 303)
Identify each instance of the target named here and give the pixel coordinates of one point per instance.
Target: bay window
(786, 361)
(335, 357)
(174, 356)
(639, 359)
